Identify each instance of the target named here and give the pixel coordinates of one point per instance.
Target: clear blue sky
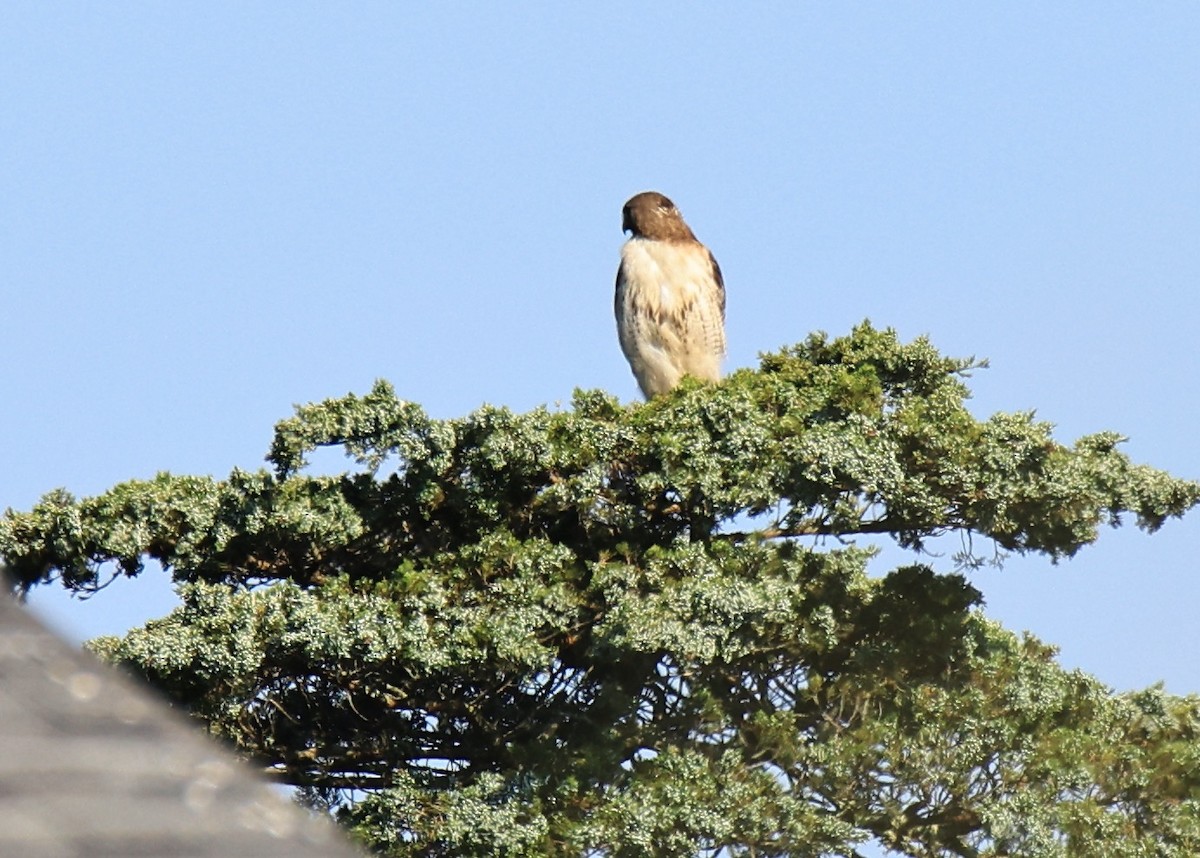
(212, 211)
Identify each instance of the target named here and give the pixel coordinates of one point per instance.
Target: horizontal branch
(813, 527)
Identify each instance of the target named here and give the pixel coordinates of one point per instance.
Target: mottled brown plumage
(670, 298)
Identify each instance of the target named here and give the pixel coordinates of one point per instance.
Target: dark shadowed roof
(93, 765)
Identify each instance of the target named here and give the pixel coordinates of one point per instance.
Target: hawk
(670, 300)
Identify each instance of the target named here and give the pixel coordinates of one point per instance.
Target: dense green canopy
(647, 630)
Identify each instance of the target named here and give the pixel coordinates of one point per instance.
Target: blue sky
(212, 211)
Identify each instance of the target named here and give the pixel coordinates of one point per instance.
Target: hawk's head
(651, 215)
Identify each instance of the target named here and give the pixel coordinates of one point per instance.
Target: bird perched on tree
(670, 300)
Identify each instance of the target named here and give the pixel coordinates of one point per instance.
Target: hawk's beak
(626, 221)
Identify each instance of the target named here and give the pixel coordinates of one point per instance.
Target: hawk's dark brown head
(651, 215)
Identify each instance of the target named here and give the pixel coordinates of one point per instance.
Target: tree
(647, 630)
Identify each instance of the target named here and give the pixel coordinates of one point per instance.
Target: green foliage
(620, 631)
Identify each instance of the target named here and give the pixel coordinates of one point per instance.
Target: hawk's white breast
(669, 312)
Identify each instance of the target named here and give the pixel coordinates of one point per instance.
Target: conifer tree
(649, 630)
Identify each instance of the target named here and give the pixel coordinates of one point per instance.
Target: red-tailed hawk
(670, 299)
